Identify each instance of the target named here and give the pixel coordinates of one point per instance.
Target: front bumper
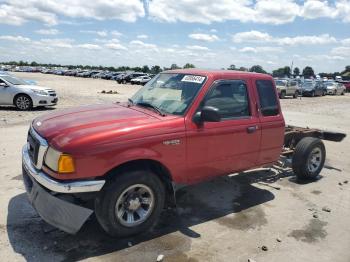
(330, 91)
(59, 213)
(39, 100)
(58, 186)
(308, 92)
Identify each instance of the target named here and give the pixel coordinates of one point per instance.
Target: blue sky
(209, 34)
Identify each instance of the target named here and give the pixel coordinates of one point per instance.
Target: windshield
(329, 83)
(170, 93)
(13, 80)
(308, 84)
(280, 83)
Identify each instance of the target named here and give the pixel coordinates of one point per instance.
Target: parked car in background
(286, 87)
(313, 88)
(346, 84)
(127, 78)
(334, 88)
(17, 92)
(141, 80)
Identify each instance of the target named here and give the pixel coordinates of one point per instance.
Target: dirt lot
(228, 219)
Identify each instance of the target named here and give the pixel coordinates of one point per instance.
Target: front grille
(33, 148)
(51, 92)
(37, 147)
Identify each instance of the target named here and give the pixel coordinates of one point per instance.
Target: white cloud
(14, 38)
(261, 49)
(60, 43)
(275, 11)
(197, 47)
(47, 31)
(142, 36)
(17, 12)
(116, 33)
(342, 51)
(89, 46)
(115, 46)
(343, 9)
(142, 44)
(251, 37)
(260, 37)
(204, 37)
(260, 11)
(102, 33)
(346, 41)
(248, 49)
(315, 8)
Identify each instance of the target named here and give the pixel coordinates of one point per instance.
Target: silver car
(17, 92)
(334, 88)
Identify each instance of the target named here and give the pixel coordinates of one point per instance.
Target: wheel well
(19, 94)
(156, 167)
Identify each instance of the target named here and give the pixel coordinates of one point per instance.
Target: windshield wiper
(146, 104)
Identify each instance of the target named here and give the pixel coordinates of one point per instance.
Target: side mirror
(208, 114)
(3, 84)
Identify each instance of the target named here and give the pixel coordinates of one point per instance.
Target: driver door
(5, 94)
(231, 145)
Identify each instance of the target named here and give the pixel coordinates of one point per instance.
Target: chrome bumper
(56, 186)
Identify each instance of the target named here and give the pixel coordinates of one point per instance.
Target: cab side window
(267, 98)
(231, 98)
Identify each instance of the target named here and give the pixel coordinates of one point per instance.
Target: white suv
(14, 91)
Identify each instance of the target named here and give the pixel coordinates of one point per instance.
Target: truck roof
(220, 73)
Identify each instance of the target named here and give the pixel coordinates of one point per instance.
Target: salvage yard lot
(227, 219)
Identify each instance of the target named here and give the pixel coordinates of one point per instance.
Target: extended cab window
(230, 97)
(267, 98)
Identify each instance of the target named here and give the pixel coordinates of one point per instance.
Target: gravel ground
(228, 219)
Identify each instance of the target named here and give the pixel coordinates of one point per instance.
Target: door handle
(251, 129)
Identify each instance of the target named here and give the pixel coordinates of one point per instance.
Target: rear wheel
(131, 204)
(309, 157)
(23, 102)
(296, 94)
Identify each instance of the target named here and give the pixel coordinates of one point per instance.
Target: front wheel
(282, 95)
(309, 157)
(131, 204)
(23, 102)
(296, 94)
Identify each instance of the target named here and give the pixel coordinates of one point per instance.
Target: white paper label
(193, 79)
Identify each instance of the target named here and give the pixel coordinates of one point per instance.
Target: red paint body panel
(102, 137)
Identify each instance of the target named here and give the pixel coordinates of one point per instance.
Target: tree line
(285, 71)
(145, 69)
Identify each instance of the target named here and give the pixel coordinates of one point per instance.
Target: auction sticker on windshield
(193, 79)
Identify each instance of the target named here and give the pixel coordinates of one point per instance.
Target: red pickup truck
(125, 161)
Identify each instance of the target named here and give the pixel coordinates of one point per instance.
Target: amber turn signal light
(66, 164)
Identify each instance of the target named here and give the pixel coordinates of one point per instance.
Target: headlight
(59, 162)
(40, 92)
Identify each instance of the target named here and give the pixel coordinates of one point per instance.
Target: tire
(105, 203)
(124, 82)
(283, 94)
(342, 93)
(313, 94)
(296, 94)
(23, 102)
(309, 157)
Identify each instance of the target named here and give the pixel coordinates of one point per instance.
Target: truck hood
(87, 123)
